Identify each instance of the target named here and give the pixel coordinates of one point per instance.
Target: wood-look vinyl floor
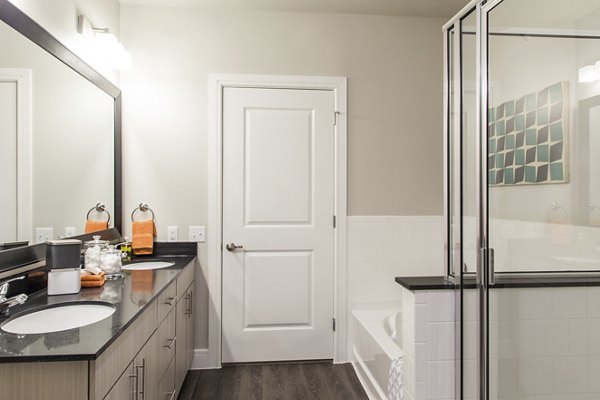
(321, 380)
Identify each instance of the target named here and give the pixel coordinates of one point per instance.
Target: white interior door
(278, 203)
(8, 161)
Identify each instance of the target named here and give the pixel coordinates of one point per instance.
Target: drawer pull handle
(190, 302)
(134, 392)
(171, 343)
(170, 301)
(141, 391)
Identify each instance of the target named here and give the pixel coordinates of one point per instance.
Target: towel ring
(100, 208)
(143, 207)
(556, 208)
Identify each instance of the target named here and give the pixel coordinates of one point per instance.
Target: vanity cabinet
(147, 361)
(138, 382)
(158, 370)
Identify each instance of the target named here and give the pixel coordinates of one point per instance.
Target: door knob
(233, 247)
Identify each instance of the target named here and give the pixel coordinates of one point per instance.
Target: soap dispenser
(63, 260)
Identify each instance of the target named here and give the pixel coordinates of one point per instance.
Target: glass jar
(92, 250)
(110, 262)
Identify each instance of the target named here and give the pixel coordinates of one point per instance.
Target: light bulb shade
(588, 73)
(104, 46)
(112, 50)
(122, 61)
(106, 39)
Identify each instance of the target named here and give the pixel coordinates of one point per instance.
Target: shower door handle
(492, 269)
(488, 274)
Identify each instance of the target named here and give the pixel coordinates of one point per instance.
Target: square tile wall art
(527, 138)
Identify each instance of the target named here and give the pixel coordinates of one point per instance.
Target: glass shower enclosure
(522, 201)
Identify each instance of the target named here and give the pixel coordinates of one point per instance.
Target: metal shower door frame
(483, 274)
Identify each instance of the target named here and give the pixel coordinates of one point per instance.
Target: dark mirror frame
(26, 26)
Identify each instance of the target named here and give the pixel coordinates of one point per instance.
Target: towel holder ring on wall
(554, 209)
(143, 207)
(100, 208)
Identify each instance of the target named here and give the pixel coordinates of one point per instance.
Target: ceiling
(420, 8)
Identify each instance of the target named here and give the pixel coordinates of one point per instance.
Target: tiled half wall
(544, 344)
(381, 248)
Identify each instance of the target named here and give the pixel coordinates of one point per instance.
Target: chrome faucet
(7, 302)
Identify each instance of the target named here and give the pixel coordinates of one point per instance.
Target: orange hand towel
(143, 233)
(95, 226)
(89, 280)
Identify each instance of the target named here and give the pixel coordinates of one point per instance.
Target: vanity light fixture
(589, 73)
(105, 44)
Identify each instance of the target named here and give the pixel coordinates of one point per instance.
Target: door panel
(278, 203)
(267, 154)
(287, 276)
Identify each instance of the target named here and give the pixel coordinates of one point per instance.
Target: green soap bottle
(127, 250)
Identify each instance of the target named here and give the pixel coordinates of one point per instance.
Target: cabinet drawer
(125, 388)
(185, 279)
(107, 368)
(166, 387)
(167, 300)
(166, 342)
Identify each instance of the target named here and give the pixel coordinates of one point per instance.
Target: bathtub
(377, 338)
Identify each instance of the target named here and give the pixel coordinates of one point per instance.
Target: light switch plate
(197, 233)
(70, 231)
(43, 234)
(171, 234)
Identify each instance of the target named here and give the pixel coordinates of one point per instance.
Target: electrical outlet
(171, 234)
(197, 233)
(70, 231)
(43, 234)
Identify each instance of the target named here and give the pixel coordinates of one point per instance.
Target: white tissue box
(64, 281)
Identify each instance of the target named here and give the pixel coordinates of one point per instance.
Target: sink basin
(148, 265)
(58, 318)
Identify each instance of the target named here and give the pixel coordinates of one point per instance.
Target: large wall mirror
(59, 136)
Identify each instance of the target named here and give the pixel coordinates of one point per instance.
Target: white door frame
(22, 78)
(217, 83)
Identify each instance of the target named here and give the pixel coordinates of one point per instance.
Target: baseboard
(201, 359)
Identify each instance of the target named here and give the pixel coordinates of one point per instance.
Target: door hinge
(334, 221)
(335, 117)
(334, 324)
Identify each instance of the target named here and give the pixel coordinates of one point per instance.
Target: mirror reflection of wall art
(527, 138)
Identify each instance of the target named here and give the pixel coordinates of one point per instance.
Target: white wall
(394, 66)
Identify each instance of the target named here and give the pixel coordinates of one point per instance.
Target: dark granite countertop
(425, 283)
(129, 295)
(502, 282)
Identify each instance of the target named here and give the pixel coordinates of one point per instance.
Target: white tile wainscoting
(544, 344)
(380, 248)
(428, 341)
(521, 246)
